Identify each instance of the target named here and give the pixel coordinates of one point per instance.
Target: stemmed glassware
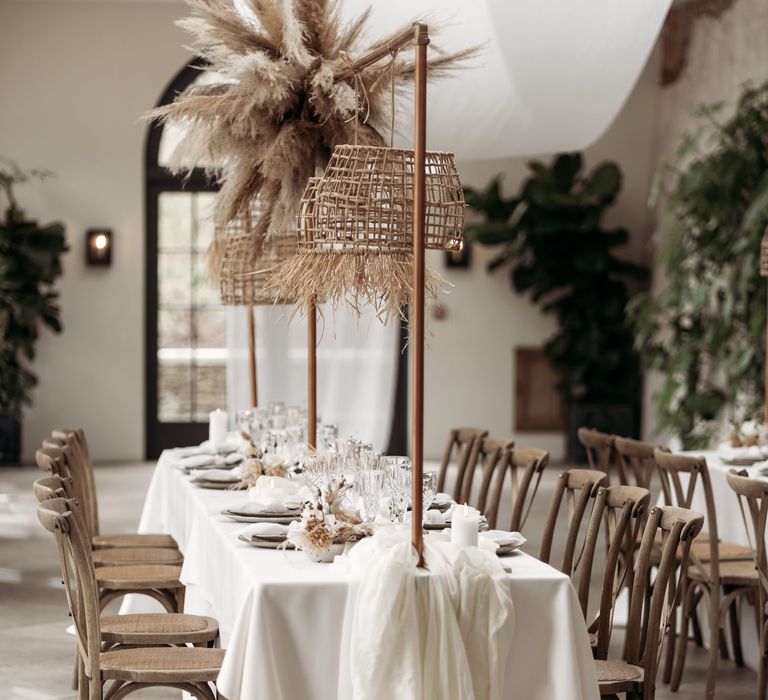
(398, 474)
(429, 490)
(370, 485)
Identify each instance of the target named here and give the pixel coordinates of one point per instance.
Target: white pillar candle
(217, 427)
(465, 524)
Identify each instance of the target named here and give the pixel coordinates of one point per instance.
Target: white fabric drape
(552, 77)
(356, 367)
(445, 635)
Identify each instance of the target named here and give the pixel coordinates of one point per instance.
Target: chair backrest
(79, 463)
(681, 477)
(47, 488)
(625, 512)
(752, 495)
(579, 488)
(599, 447)
(635, 461)
(461, 440)
(525, 465)
(62, 517)
(485, 453)
(651, 615)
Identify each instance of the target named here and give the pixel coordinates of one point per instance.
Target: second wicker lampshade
(355, 228)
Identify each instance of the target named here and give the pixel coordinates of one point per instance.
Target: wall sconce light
(98, 247)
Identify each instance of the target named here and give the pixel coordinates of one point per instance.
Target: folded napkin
(442, 499)
(265, 507)
(222, 475)
(434, 517)
(728, 453)
(197, 461)
(503, 538)
(232, 443)
(265, 530)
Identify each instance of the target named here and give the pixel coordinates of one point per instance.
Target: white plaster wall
(74, 78)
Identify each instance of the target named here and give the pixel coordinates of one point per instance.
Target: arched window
(185, 323)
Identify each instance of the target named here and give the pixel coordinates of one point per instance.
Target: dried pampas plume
(275, 110)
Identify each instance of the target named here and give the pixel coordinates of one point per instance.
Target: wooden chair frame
(460, 440)
(708, 582)
(635, 461)
(486, 452)
(650, 615)
(61, 517)
(752, 495)
(599, 448)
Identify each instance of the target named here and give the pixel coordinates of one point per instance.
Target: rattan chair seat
(614, 676)
(138, 576)
(134, 540)
(158, 628)
(159, 664)
(118, 556)
(732, 573)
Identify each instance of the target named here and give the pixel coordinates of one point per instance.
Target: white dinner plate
(436, 526)
(265, 544)
(266, 518)
(219, 485)
(509, 549)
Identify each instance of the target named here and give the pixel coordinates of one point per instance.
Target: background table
(281, 616)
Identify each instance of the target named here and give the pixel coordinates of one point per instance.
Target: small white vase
(327, 556)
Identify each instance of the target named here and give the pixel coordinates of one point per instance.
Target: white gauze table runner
(440, 634)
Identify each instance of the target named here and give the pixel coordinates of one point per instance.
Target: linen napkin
(195, 461)
(264, 530)
(502, 538)
(222, 475)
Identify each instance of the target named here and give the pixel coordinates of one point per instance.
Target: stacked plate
(247, 515)
(266, 536)
(214, 478)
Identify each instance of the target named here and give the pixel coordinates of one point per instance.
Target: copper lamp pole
(312, 376)
(252, 356)
(421, 38)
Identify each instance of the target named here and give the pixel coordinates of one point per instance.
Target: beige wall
(724, 54)
(74, 78)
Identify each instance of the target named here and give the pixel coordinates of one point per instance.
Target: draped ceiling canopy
(553, 76)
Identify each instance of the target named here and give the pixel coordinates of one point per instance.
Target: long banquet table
(281, 616)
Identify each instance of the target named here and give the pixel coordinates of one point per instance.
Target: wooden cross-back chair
(156, 580)
(579, 488)
(122, 669)
(719, 572)
(78, 466)
(634, 461)
(651, 613)
(752, 495)
(485, 453)
(460, 442)
(599, 448)
(624, 510)
(525, 465)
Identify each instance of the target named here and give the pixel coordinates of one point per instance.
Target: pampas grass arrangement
(275, 110)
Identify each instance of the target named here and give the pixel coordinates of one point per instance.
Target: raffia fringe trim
(382, 280)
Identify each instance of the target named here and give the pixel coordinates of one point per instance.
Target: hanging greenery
(704, 329)
(30, 264)
(557, 249)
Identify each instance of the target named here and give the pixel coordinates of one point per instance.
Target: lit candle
(465, 524)
(217, 427)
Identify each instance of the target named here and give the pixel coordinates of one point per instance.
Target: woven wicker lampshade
(246, 260)
(764, 258)
(355, 228)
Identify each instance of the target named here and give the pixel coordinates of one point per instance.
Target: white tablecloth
(281, 616)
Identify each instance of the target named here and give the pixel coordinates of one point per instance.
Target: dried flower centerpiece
(326, 527)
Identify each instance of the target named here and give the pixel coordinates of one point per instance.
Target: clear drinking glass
(398, 471)
(314, 468)
(429, 483)
(371, 488)
(276, 408)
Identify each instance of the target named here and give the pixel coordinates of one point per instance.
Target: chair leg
(715, 634)
(733, 622)
(688, 596)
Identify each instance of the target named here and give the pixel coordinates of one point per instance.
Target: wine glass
(371, 486)
(314, 469)
(429, 489)
(398, 471)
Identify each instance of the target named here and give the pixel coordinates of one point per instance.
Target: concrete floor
(35, 653)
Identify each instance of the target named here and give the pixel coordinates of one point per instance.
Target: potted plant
(30, 264)
(703, 329)
(553, 241)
